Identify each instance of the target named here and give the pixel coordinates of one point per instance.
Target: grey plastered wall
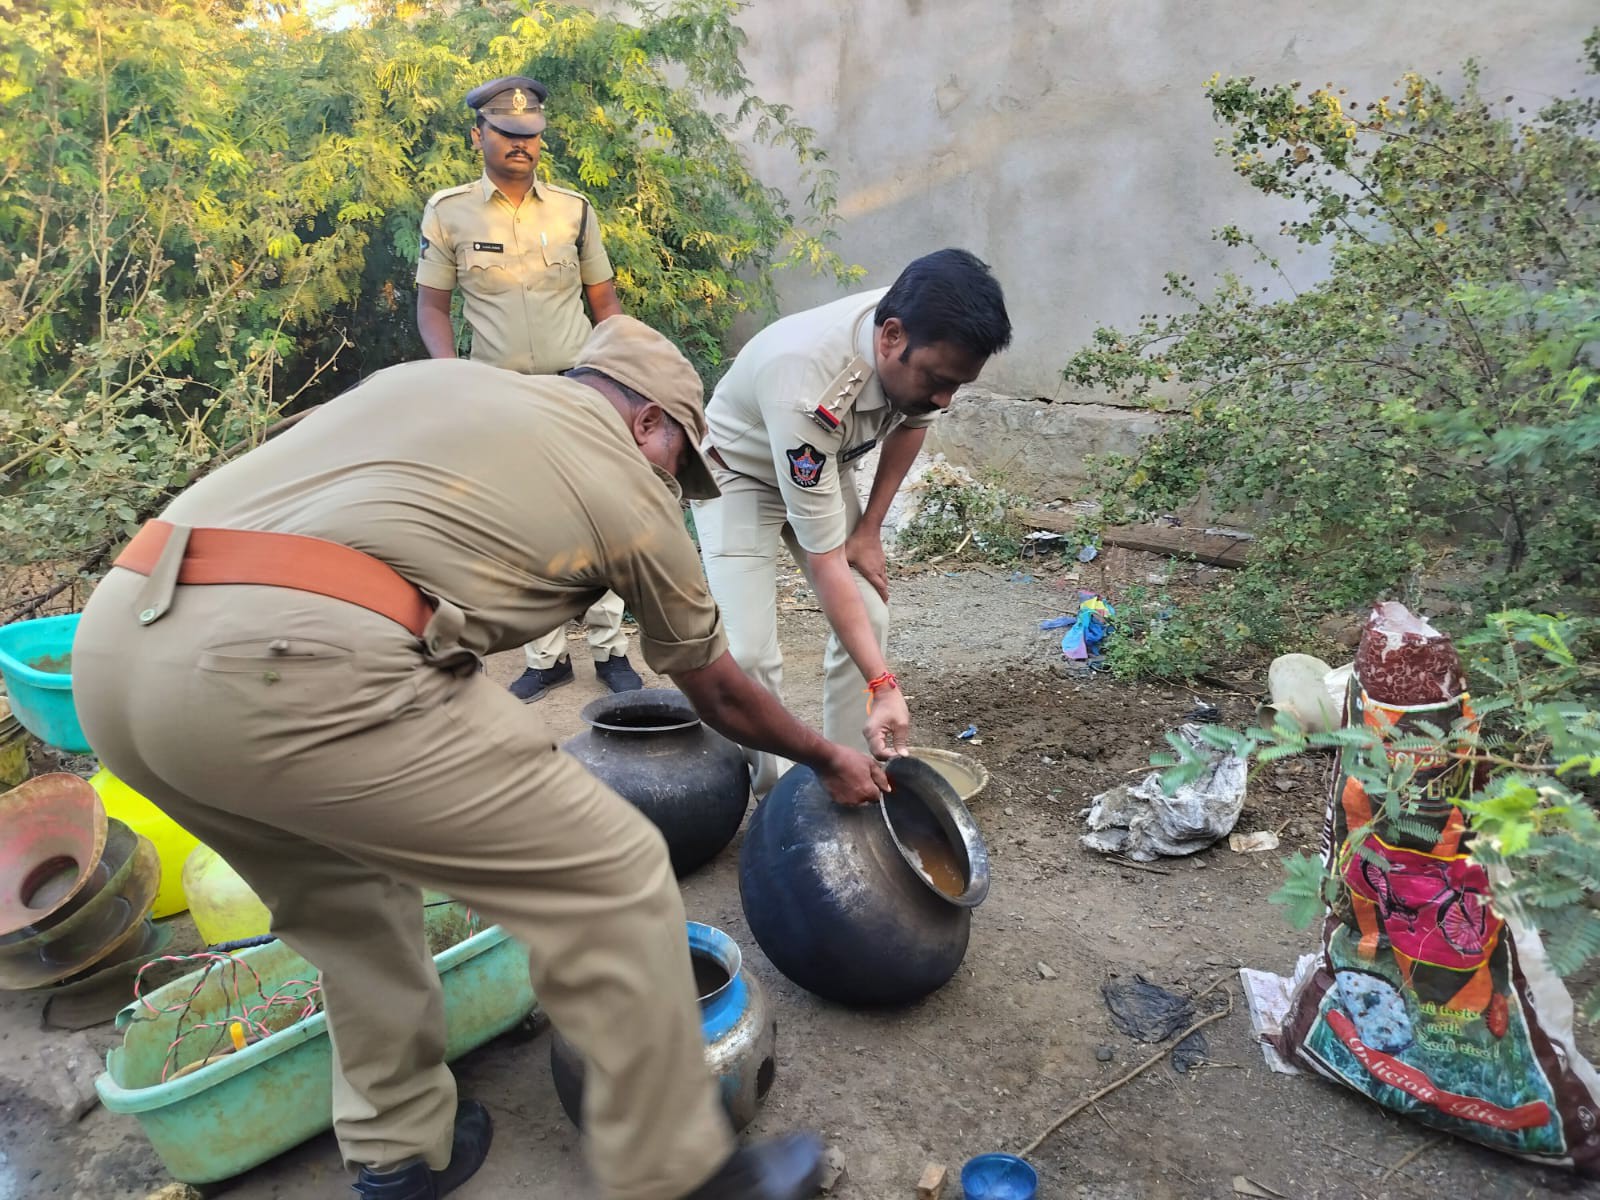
(1068, 142)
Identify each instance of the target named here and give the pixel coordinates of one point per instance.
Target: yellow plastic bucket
(172, 841)
(222, 905)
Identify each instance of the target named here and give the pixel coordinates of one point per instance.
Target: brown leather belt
(286, 560)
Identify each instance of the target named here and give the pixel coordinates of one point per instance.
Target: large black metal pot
(650, 748)
(864, 906)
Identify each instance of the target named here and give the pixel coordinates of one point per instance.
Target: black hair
(948, 296)
(634, 399)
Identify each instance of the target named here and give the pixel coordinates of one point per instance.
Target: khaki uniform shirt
(516, 504)
(762, 418)
(518, 268)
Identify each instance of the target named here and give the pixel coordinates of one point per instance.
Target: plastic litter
(1143, 822)
(1086, 629)
(1406, 661)
(1144, 1010)
(1296, 685)
(1148, 1012)
(1266, 995)
(1252, 843)
(967, 734)
(998, 1177)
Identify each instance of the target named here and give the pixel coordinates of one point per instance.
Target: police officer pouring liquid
(527, 256)
(802, 405)
(286, 663)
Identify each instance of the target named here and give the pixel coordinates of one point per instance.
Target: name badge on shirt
(856, 452)
(491, 247)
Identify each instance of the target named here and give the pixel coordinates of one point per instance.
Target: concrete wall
(1069, 144)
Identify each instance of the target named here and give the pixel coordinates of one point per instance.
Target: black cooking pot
(864, 906)
(651, 749)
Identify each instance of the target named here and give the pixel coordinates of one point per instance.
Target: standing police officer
(804, 401)
(527, 255)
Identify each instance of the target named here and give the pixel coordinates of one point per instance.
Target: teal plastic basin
(42, 699)
(249, 1106)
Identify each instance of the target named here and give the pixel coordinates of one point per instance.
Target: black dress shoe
(781, 1168)
(617, 674)
(474, 1132)
(533, 683)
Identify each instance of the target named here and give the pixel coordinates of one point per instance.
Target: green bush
(1431, 408)
(209, 216)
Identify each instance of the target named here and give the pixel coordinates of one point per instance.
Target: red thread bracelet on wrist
(881, 683)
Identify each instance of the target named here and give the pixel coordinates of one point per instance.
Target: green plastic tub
(249, 1106)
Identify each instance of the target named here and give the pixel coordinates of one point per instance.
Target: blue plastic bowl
(998, 1177)
(42, 699)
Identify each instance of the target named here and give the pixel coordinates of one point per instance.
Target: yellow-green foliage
(208, 213)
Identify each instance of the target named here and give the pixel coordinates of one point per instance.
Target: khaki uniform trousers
(741, 534)
(305, 740)
(603, 622)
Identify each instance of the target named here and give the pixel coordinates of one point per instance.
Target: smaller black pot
(651, 749)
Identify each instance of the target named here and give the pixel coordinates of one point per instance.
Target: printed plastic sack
(1423, 998)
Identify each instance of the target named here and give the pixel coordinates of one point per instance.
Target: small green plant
(1526, 775)
(1157, 637)
(956, 516)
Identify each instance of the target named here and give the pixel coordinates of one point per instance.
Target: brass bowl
(961, 771)
(52, 833)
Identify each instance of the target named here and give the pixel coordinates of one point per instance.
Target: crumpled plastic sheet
(1149, 1013)
(1086, 629)
(1143, 823)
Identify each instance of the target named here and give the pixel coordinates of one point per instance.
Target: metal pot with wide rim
(735, 1020)
(865, 906)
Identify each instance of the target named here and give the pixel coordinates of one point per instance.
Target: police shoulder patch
(805, 464)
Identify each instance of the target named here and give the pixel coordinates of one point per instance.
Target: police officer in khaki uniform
(804, 401)
(527, 256)
(287, 664)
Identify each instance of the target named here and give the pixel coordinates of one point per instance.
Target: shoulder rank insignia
(841, 394)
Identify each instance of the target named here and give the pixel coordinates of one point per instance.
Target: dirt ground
(989, 1061)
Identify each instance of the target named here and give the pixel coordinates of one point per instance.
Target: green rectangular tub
(241, 1110)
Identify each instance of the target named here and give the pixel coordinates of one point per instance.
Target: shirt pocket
(485, 272)
(561, 259)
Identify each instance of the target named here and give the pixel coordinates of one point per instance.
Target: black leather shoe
(781, 1168)
(533, 683)
(474, 1132)
(617, 674)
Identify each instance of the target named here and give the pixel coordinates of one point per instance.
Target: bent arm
(603, 302)
(433, 322)
(743, 711)
(846, 613)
